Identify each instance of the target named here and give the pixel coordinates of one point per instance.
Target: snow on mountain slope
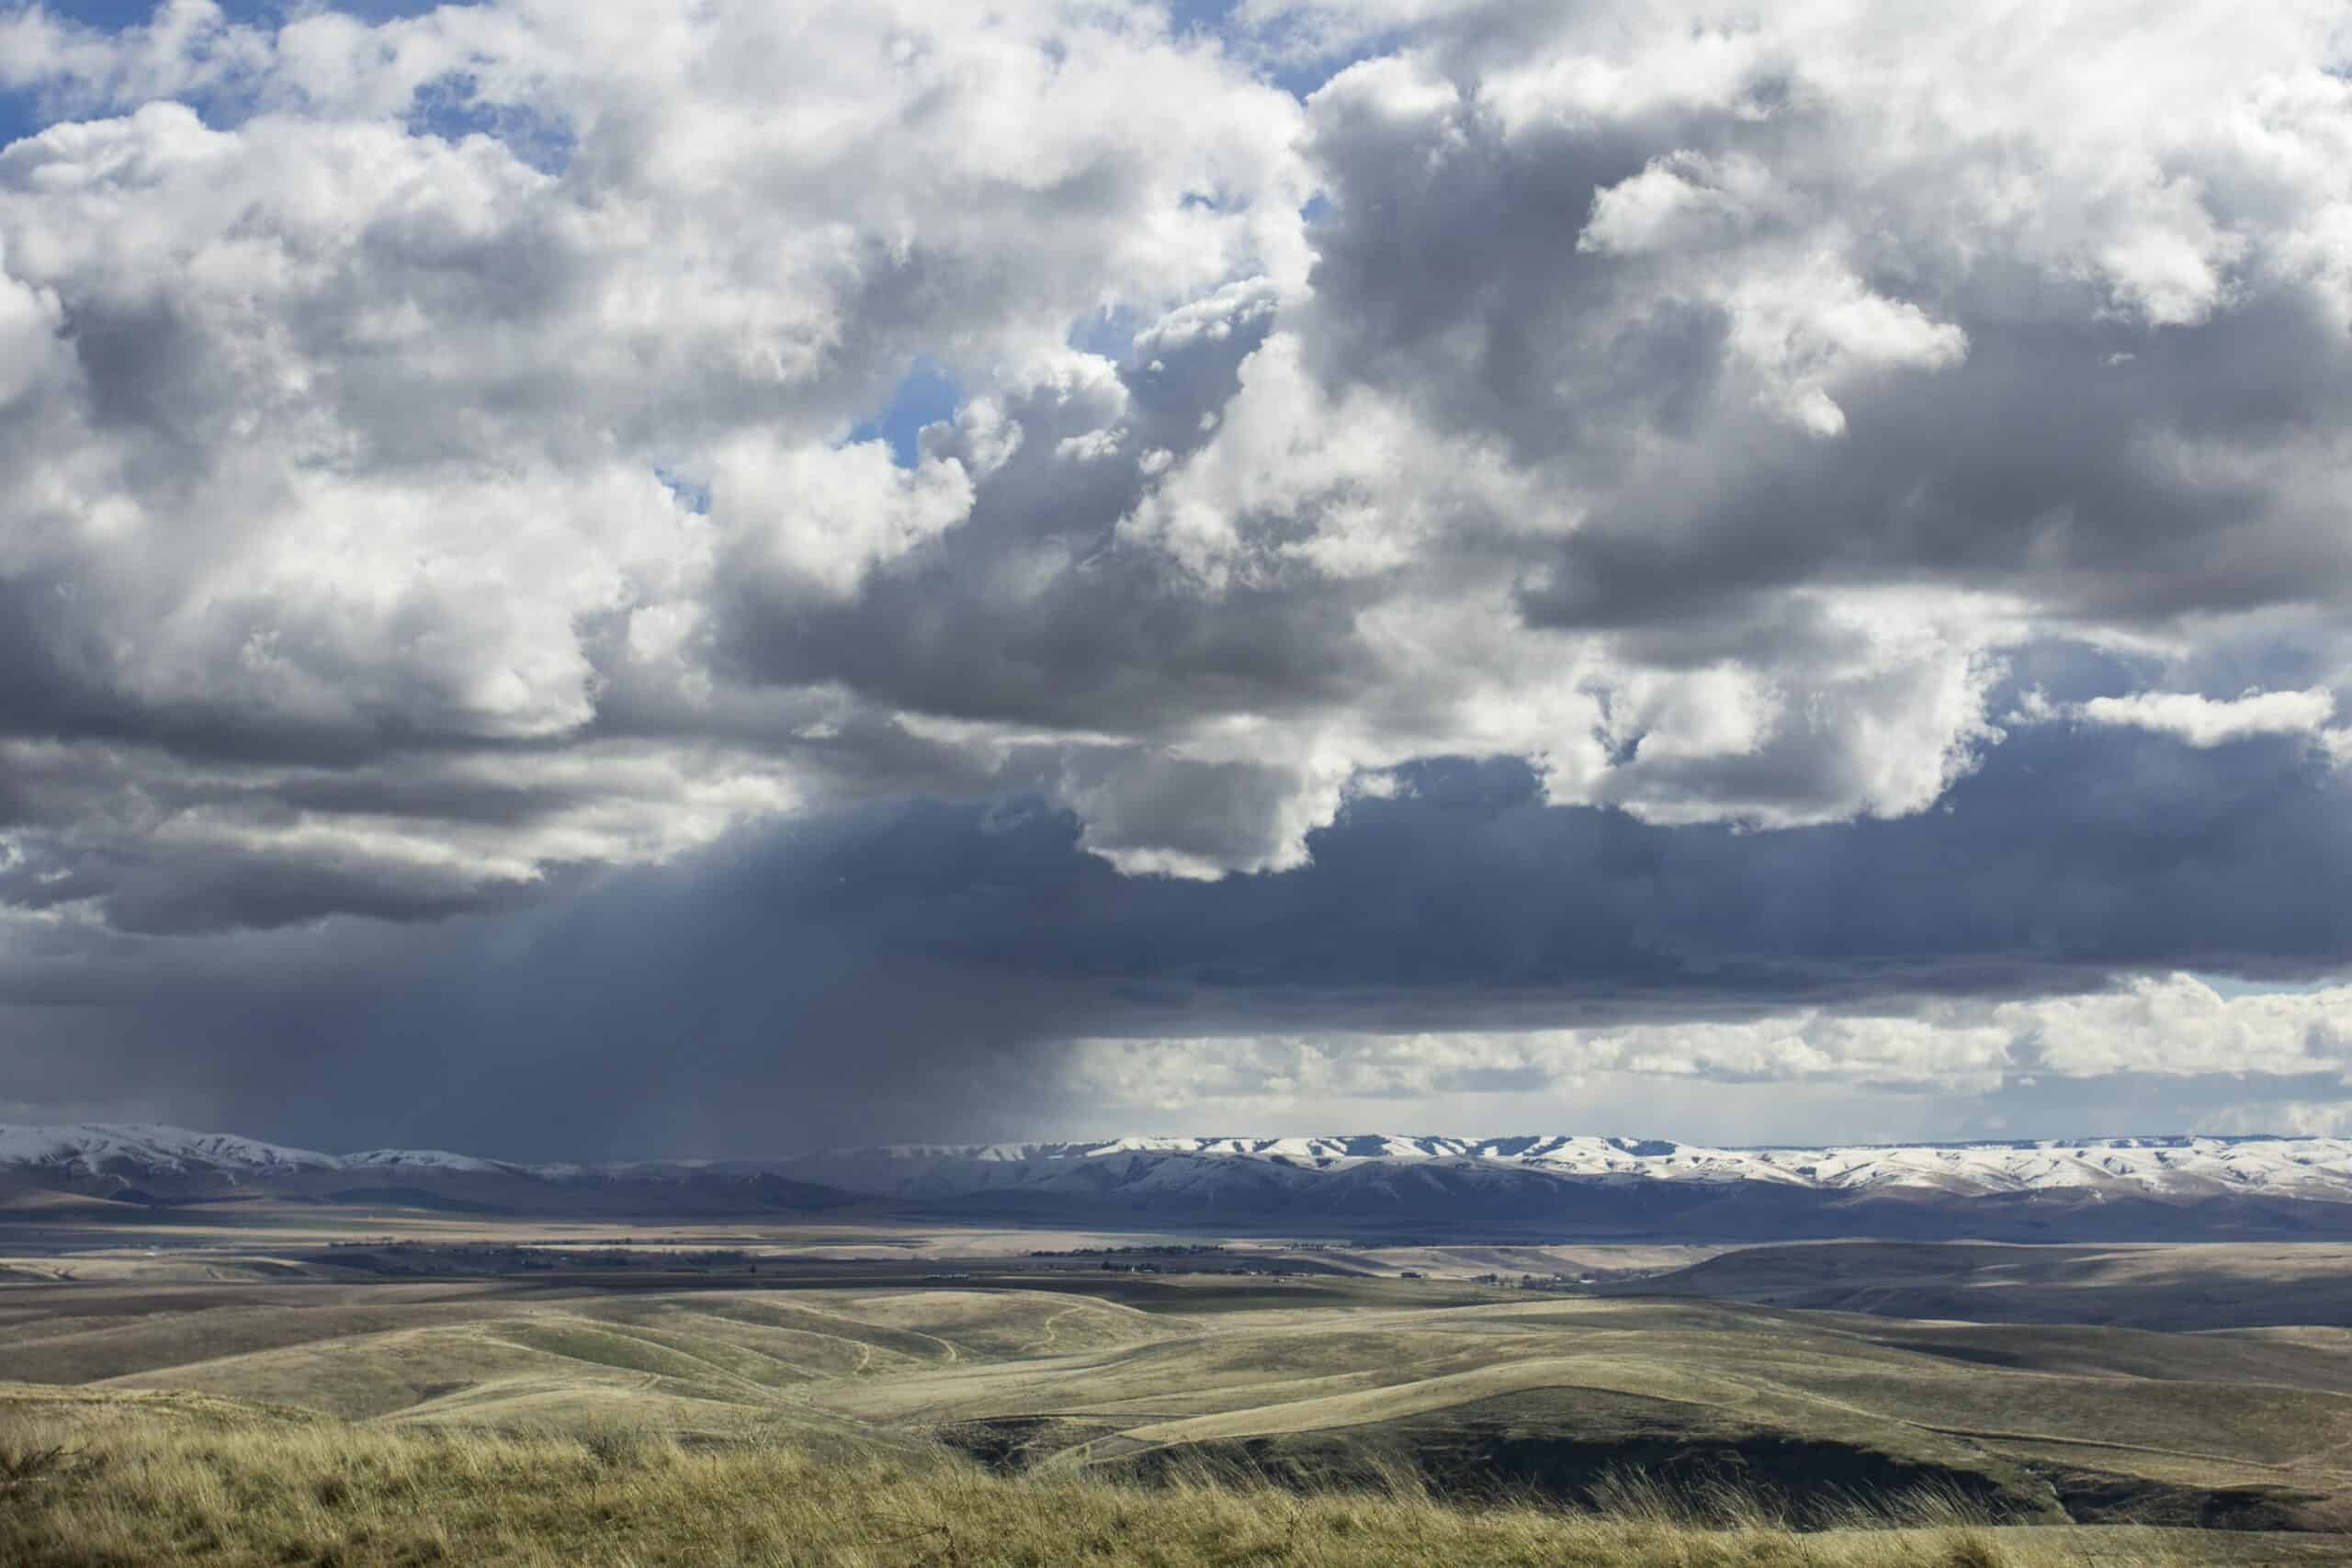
(137, 1154)
(427, 1159)
(145, 1164)
(94, 1148)
(2184, 1167)
(1523, 1178)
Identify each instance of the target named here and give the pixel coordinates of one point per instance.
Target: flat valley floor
(2069, 1392)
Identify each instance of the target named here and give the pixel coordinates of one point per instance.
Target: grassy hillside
(2218, 1285)
(1062, 1378)
(90, 1478)
(1308, 1381)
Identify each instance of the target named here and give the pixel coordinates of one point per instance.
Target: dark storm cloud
(920, 970)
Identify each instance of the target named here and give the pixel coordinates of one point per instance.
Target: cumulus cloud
(377, 445)
(2169, 1027)
(2206, 721)
(453, 455)
(1676, 409)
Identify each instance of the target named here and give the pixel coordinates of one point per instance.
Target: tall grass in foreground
(141, 1479)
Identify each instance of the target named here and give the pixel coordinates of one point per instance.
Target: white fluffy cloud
(2173, 1026)
(450, 443)
(335, 436)
(2205, 721)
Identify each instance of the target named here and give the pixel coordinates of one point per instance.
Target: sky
(645, 579)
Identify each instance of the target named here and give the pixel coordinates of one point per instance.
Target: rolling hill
(1313, 1382)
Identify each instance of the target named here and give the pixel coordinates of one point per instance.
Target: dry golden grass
(92, 1478)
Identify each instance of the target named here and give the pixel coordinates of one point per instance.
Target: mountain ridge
(2323, 1163)
(156, 1164)
(2143, 1187)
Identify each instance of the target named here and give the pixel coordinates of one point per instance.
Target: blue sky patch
(452, 107)
(22, 114)
(1110, 334)
(693, 497)
(926, 396)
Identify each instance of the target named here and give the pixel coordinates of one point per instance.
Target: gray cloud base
(925, 969)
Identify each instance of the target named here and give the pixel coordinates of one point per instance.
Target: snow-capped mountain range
(148, 1163)
(2316, 1168)
(2090, 1187)
(126, 1149)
